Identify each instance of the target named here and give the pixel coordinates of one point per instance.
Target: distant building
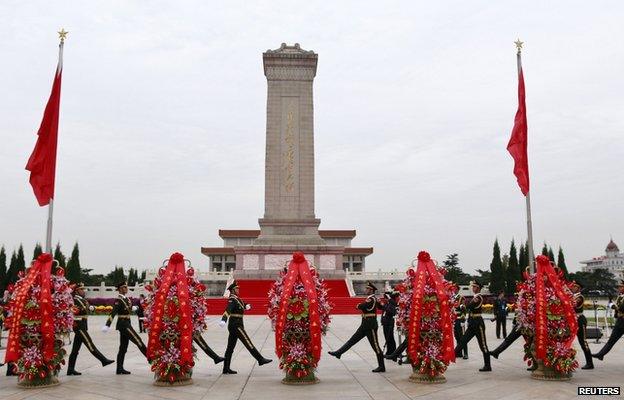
(612, 261)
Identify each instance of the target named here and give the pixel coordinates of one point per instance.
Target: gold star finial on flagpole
(519, 45)
(62, 34)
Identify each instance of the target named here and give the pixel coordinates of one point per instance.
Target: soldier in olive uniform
(581, 333)
(460, 318)
(81, 333)
(122, 309)
(368, 328)
(476, 327)
(233, 315)
(618, 329)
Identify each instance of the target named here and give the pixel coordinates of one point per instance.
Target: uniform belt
(79, 318)
(236, 315)
(371, 315)
(124, 316)
(474, 315)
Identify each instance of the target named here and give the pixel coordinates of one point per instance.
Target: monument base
(265, 262)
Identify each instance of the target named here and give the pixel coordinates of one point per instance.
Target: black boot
(226, 365)
(101, 357)
(334, 353)
(598, 356)
(380, 362)
(486, 360)
(397, 353)
(215, 357)
(120, 368)
(71, 365)
(494, 354)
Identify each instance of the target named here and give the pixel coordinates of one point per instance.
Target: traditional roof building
(612, 261)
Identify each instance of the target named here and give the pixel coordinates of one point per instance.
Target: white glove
(134, 308)
(105, 328)
(222, 323)
(91, 308)
(247, 306)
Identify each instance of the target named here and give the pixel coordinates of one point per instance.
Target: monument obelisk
(289, 218)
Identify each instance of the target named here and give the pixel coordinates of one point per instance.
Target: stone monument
(289, 223)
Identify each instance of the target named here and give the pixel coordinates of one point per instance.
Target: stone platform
(346, 379)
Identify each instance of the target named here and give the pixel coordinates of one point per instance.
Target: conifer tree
(59, 256)
(20, 260)
(551, 255)
(11, 276)
(545, 250)
(497, 282)
(73, 272)
(561, 263)
(37, 251)
(513, 269)
(3, 270)
(523, 261)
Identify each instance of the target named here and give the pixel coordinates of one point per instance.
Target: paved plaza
(346, 379)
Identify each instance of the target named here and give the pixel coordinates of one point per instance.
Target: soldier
(141, 313)
(618, 329)
(81, 333)
(368, 328)
(581, 333)
(500, 312)
(460, 318)
(122, 309)
(233, 315)
(198, 338)
(476, 327)
(388, 306)
(516, 332)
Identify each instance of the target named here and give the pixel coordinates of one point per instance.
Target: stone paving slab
(346, 379)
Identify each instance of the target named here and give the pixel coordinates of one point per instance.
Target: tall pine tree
(73, 272)
(513, 270)
(38, 251)
(3, 270)
(21, 260)
(12, 271)
(143, 276)
(561, 263)
(497, 282)
(523, 262)
(132, 277)
(551, 255)
(545, 250)
(59, 256)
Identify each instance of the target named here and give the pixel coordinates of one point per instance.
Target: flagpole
(528, 194)
(48, 243)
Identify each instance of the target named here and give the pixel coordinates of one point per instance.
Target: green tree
(21, 261)
(143, 276)
(545, 250)
(484, 276)
(561, 263)
(498, 272)
(116, 276)
(37, 251)
(59, 256)
(513, 270)
(551, 255)
(599, 279)
(523, 261)
(73, 272)
(132, 277)
(3, 270)
(91, 279)
(11, 275)
(454, 272)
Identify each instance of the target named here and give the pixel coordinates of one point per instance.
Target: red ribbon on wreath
(546, 272)
(426, 268)
(41, 268)
(174, 273)
(299, 270)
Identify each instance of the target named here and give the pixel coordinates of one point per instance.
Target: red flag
(517, 145)
(42, 161)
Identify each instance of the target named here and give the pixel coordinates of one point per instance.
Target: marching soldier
(460, 318)
(233, 315)
(81, 333)
(368, 328)
(581, 333)
(199, 339)
(388, 306)
(618, 329)
(122, 309)
(476, 327)
(516, 332)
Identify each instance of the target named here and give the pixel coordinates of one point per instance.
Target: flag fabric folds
(517, 145)
(42, 161)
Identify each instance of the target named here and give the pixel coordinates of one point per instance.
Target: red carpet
(254, 292)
